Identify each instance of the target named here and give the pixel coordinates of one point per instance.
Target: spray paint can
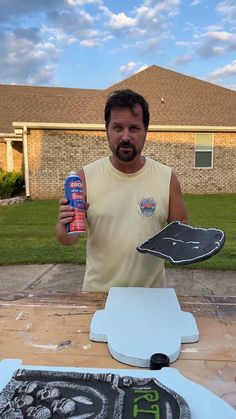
(74, 193)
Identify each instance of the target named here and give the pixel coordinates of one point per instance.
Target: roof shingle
(174, 99)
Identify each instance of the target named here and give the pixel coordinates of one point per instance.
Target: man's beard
(121, 155)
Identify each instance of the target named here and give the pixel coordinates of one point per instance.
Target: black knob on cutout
(158, 361)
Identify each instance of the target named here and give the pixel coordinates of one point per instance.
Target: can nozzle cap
(158, 361)
(72, 172)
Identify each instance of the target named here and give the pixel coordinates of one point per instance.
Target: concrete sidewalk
(69, 277)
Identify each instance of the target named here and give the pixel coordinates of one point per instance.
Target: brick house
(49, 131)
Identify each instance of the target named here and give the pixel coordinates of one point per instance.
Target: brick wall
(17, 148)
(17, 151)
(177, 150)
(54, 153)
(3, 155)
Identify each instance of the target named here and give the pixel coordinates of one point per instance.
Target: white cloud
(75, 3)
(57, 36)
(165, 6)
(43, 76)
(209, 50)
(182, 43)
(14, 9)
(143, 67)
(132, 67)
(213, 28)
(107, 37)
(143, 46)
(195, 3)
(146, 46)
(215, 43)
(227, 8)
(183, 59)
(70, 22)
(221, 36)
(24, 56)
(226, 71)
(38, 33)
(145, 20)
(90, 43)
(120, 21)
(127, 68)
(155, 19)
(54, 34)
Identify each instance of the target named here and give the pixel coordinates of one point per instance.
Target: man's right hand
(66, 212)
(65, 216)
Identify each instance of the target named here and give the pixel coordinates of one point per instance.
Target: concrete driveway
(69, 277)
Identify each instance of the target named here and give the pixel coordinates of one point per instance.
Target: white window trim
(211, 150)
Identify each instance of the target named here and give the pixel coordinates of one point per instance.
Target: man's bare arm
(177, 209)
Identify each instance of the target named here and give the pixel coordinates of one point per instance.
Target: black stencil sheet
(183, 244)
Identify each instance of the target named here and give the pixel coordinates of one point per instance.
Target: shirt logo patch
(147, 207)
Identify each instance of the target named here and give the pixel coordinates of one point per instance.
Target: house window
(204, 150)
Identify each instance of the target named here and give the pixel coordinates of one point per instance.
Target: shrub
(11, 183)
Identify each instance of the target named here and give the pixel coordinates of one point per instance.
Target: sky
(93, 44)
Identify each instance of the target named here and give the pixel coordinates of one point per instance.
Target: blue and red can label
(74, 193)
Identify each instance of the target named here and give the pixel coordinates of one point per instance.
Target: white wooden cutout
(138, 322)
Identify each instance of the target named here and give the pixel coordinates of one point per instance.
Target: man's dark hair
(126, 99)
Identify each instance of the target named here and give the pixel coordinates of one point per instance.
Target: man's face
(126, 133)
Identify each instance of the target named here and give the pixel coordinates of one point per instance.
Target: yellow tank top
(124, 211)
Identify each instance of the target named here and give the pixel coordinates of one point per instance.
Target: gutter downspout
(26, 161)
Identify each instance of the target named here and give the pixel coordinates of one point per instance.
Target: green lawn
(27, 232)
(27, 235)
(216, 211)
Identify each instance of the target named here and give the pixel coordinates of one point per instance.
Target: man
(129, 198)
